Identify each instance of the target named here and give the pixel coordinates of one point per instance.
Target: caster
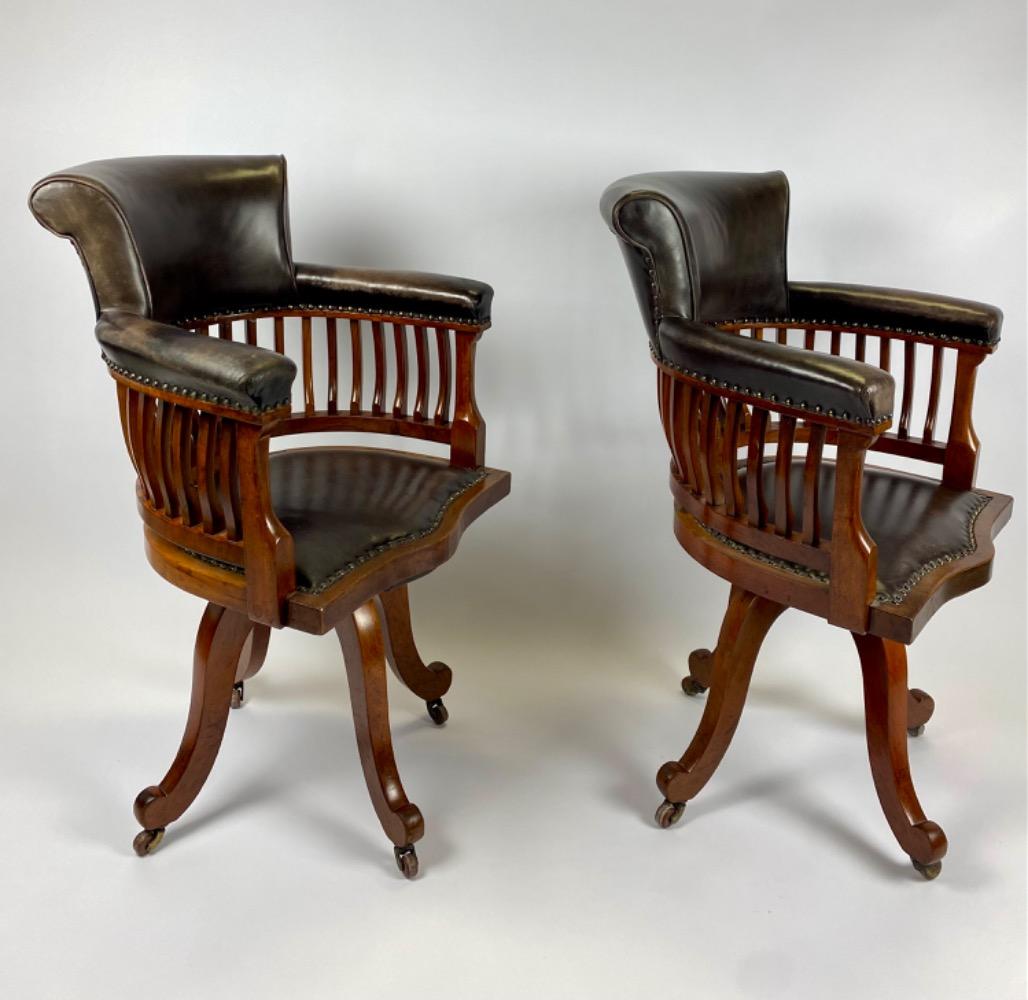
(407, 860)
(437, 713)
(669, 813)
(927, 871)
(238, 694)
(692, 687)
(915, 731)
(147, 841)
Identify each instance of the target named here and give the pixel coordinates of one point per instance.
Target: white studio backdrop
(475, 138)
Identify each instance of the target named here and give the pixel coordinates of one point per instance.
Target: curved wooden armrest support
(718, 438)
(854, 555)
(203, 485)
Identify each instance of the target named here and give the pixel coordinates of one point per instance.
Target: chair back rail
(406, 378)
(920, 383)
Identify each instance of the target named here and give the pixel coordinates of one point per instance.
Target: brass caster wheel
(147, 841)
(927, 871)
(407, 860)
(437, 713)
(915, 731)
(669, 813)
(238, 694)
(692, 687)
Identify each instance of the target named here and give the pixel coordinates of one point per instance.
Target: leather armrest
(220, 371)
(808, 380)
(894, 309)
(406, 294)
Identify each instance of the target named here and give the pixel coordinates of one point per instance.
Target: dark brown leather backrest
(703, 246)
(172, 237)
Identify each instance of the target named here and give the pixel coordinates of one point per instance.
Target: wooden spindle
(332, 348)
(884, 353)
(783, 476)
(442, 341)
(228, 479)
(756, 508)
(203, 328)
(680, 406)
(933, 394)
(179, 449)
(308, 366)
(400, 351)
(421, 356)
(734, 500)
(251, 332)
(225, 329)
(702, 442)
(151, 455)
(909, 377)
(782, 336)
(378, 344)
(861, 348)
(206, 463)
(812, 485)
(836, 347)
(664, 405)
(190, 434)
(166, 425)
(280, 334)
(809, 339)
(356, 367)
(126, 410)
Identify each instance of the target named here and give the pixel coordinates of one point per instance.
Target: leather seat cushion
(344, 506)
(917, 523)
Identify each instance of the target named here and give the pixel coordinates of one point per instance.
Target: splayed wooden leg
(250, 662)
(884, 665)
(361, 637)
(428, 681)
(219, 645)
(745, 624)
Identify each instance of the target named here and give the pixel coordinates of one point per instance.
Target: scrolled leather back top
(172, 237)
(703, 246)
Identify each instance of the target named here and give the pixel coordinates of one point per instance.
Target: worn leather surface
(414, 293)
(172, 237)
(894, 308)
(239, 375)
(707, 246)
(343, 505)
(912, 519)
(849, 389)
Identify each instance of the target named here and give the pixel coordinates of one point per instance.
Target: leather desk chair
(771, 394)
(190, 265)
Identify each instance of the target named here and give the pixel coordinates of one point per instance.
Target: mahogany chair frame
(725, 518)
(210, 528)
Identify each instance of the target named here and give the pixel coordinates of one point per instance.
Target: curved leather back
(703, 246)
(172, 237)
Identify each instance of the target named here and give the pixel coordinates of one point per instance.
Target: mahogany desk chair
(749, 362)
(189, 262)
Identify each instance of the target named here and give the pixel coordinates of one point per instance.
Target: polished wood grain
(210, 528)
(746, 622)
(219, 646)
(884, 666)
(776, 551)
(360, 636)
